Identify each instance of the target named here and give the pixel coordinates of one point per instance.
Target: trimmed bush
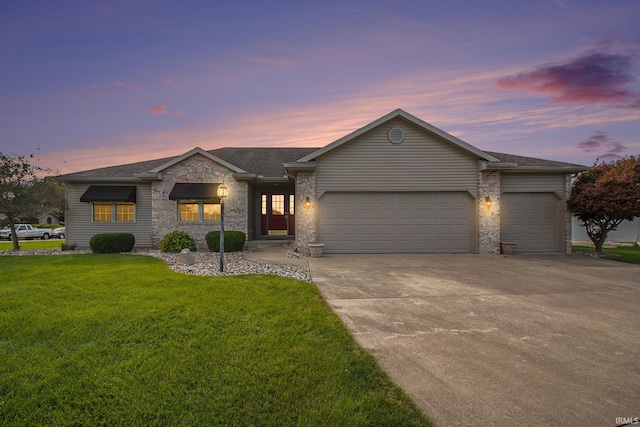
(112, 243)
(233, 241)
(69, 246)
(177, 241)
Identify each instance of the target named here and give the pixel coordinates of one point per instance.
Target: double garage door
(423, 222)
(532, 220)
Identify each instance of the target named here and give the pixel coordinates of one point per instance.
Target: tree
(18, 181)
(51, 195)
(605, 195)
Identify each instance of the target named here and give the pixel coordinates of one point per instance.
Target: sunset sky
(95, 84)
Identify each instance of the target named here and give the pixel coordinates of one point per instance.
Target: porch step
(255, 245)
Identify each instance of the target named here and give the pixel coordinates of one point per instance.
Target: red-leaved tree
(605, 195)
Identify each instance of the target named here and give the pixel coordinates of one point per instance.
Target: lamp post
(223, 192)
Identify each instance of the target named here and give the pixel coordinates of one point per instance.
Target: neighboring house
(397, 185)
(52, 216)
(628, 231)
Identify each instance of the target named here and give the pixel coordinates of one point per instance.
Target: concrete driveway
(494, 340)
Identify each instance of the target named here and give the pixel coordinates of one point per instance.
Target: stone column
(305, 216)
(489, 216)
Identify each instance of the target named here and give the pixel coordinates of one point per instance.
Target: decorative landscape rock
(205, 263)
(186, 257)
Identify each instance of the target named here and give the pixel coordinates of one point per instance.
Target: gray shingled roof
(269, 162)
(532, 161)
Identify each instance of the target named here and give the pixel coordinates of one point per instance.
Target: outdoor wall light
(307, 203)
(487, 201)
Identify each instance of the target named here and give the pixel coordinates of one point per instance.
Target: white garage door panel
(532, 220)
(395, 222)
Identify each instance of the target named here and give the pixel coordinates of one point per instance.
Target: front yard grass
(93, 340)
(32, 244)
(629, 254)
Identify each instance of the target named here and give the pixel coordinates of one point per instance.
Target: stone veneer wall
(489, 218)
(305, 217)
(197, 169)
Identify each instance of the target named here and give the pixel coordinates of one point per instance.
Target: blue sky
(96, 83)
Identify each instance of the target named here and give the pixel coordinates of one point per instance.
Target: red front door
(278, 214)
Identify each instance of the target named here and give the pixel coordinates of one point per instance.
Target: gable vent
(396, 135)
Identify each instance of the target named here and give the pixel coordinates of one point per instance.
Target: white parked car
(58, 233)
(26, 231)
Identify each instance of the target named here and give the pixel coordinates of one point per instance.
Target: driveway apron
(497, 340)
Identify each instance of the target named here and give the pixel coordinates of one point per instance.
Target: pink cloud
(600, 142)
(118, 83)
(596, 77)
(157, 109)
(178, 113)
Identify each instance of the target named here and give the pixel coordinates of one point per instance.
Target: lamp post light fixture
(307, 203)
(222, 192)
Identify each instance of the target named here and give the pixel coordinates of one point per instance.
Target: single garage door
(425, 222)
(532, 220)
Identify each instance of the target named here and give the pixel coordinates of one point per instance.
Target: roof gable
(191, 153)
(411, 119)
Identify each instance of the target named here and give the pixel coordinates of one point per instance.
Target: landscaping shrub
(233, 241)
(112, 243)
(69, 246)
(177, 241)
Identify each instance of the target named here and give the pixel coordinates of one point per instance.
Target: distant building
(50, 216)
(628, 231)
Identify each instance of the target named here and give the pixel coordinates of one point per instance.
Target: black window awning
(109, 193)
(194, 191)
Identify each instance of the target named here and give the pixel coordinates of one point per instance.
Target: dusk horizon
(88, 86)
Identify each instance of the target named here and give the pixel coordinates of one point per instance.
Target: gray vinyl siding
(422, 162)
(532, 183)
(80, 227)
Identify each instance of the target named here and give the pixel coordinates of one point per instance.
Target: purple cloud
(592, 78)
(600, 142)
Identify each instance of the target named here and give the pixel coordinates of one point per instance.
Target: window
(102, 211)
(188, 211)
(277, 204)
(114, 212)
(194, 210)
(292, 204)
(210, 211)
(124, 212)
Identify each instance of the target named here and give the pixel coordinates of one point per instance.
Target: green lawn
(114, 340)
(624, 253)
(32, 244)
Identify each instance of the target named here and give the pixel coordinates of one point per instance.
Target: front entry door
(278, 214)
